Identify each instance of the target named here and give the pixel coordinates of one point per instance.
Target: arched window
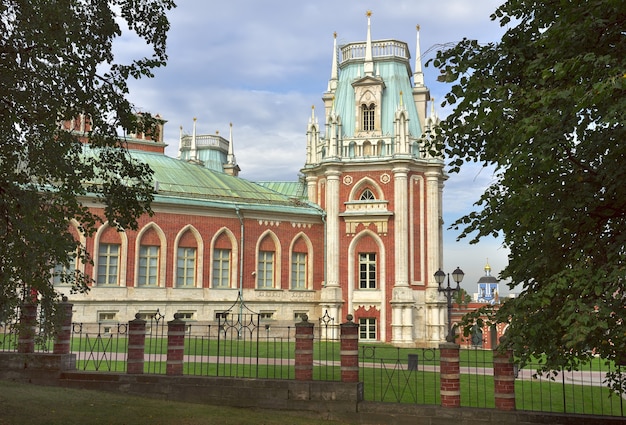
(367, 195)
(367, 112)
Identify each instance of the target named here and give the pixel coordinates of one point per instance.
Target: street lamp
(449, 291)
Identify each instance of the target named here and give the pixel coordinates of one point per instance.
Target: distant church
(488, 288)
(360, 233)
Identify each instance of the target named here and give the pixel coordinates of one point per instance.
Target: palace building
(360, 233)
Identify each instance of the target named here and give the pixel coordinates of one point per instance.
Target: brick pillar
(450, 375)
(26, 337)
(304, 350)
(136, 345)
(64, 336)
(504, 380)
(349, 351)
(175, 346)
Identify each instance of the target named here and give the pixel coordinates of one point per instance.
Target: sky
(261, 65)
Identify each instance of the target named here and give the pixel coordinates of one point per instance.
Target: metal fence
(104, 349)
(400, 375)
(242, 345)
(477, 385)
(583, 391)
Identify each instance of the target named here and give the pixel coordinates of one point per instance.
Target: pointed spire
(487, 268)
(231, 147)
(334, 73)
(193, 154)
(230, 167)
(418, 75)
(369, 61)
(433, 114)
(180, 142)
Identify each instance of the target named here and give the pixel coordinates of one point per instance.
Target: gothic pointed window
(367, 113)
(367, 195)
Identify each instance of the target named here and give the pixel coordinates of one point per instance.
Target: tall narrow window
(186, 267)
(367, 329)
(367, 112)
(108, 264)
(148, 265)
(298, 270)
(221, 268)
(265, 270)
(367, 271)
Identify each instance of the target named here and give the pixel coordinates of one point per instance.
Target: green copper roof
(179, 178)
(396, 78)
(183, 183)
(295, 190)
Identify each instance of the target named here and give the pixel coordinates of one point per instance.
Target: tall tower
(381, 193)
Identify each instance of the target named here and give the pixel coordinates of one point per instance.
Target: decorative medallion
(347, 180)
(384, 178)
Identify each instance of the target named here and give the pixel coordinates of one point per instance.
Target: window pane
(186, 267)
(367, 328)
(367, 271)
(221, 268)
(265, 270)
(108, 258)
(298, 270)
(148, 265)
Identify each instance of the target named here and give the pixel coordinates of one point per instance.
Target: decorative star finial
(335, 34)
(368, 13)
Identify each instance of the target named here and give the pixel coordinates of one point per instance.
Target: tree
(461, 297)
(57, 63)
(545, 108)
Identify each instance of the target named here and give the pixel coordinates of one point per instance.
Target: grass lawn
(36, 405)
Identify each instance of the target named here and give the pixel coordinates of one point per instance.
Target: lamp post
(449, 291)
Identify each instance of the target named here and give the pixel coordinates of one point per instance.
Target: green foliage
(545, 108)
(57, 62)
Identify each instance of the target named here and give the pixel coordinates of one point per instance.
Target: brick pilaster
(504, 380)
(64, 335)
(26, 337)
(175, 346)
(349, 351)
(304, 350)
(450, 375)
(136, 345)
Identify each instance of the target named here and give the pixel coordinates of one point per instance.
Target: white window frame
(299, 263)
(186, 267)
(221, 268)
(148, 267)
(108, 271)
(367, 270)
(367, 329)
(265, 270)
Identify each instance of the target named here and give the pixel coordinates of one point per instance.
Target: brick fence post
(504, 380)
(136, 345)
(63, 337)
(349, 351)
(450, 372)
(26, 337)
(304, 350)
(175, 346)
